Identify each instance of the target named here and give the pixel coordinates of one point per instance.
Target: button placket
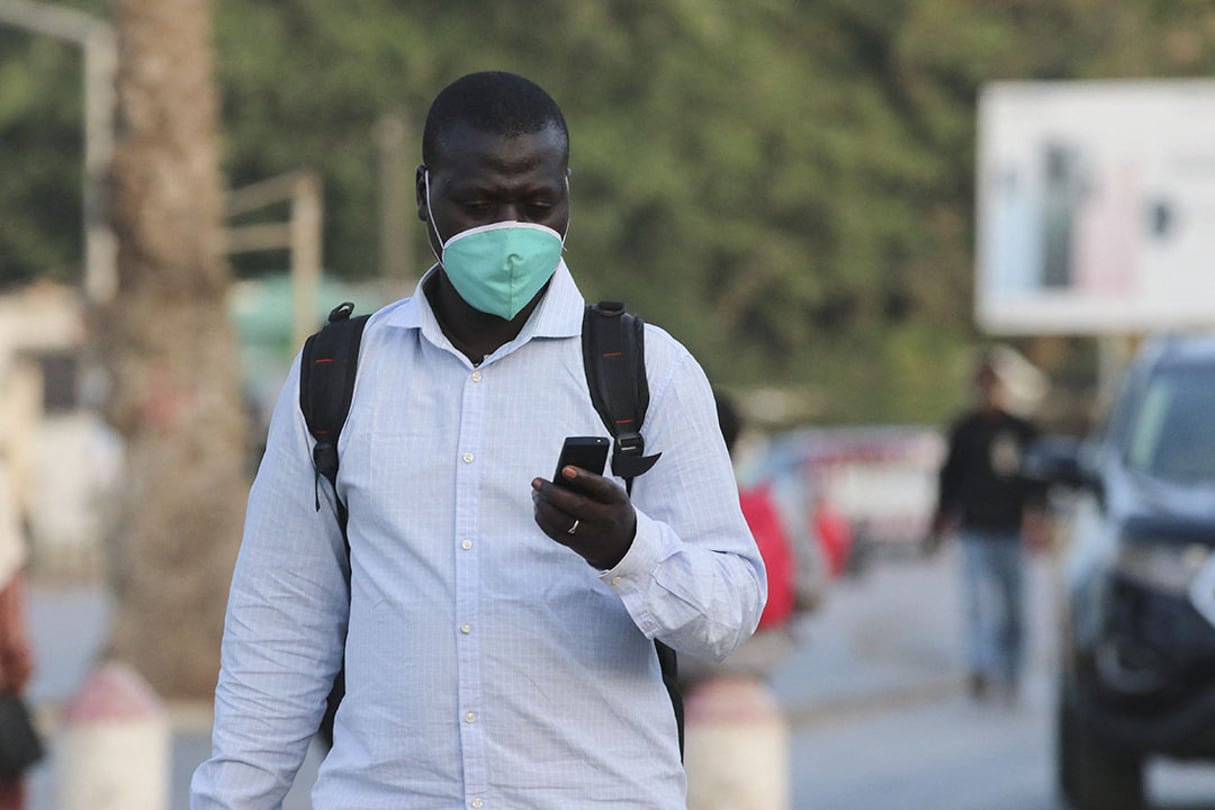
(468, 493)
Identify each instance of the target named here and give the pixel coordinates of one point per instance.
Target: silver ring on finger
(574, 528)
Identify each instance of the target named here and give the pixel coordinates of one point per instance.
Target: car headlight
(1166, 567)
(1202, 591)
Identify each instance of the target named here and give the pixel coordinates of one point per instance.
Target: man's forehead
(465, 148)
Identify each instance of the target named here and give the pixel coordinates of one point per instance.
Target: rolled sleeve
(693, 577)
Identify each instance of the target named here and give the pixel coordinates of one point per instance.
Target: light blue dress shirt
(488, 667)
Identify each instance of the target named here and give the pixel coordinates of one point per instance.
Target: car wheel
(1094, 775)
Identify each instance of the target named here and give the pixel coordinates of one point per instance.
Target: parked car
(1137, 674)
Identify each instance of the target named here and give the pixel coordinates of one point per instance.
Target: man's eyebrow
(480, 185)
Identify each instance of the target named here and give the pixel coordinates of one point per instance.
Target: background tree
(171, 350)
(788, 187)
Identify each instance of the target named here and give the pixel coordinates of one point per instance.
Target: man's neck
(473, 333)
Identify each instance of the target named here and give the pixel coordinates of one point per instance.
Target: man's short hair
(493, 102)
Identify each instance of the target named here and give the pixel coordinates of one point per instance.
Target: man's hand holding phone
(583, 510)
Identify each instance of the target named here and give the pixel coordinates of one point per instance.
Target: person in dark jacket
(996, 511)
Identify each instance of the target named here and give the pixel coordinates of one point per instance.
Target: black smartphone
(588, 452)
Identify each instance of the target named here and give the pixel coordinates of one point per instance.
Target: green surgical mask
(499, 268)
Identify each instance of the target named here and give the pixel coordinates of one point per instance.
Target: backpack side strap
(613, 355)
(328, 366)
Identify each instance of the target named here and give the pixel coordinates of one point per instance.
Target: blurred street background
(835, 205)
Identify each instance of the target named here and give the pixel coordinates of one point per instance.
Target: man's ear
(420, 192)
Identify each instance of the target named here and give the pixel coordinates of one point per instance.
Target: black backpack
(613, 354)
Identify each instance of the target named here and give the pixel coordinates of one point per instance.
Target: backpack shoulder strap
(328, 367)
(613, 357)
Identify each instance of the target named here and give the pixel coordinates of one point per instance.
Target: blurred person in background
(497, 629)
(997, 513)
(16, 658)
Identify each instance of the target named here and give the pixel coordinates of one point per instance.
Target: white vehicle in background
(881, 481)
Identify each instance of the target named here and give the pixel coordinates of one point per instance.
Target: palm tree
(171, 352)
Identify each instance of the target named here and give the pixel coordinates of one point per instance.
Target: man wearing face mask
(498, 628)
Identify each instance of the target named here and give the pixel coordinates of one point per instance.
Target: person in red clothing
(775, 547)
(834, 533)
(16, 660)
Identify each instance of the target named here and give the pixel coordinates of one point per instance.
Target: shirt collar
(558, 315)
(560, 311)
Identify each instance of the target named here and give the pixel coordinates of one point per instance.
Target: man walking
(996, 511)
(497, 629)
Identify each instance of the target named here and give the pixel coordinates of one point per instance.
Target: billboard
(1096, 207)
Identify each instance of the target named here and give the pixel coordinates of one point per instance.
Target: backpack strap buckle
(628, 456)
(631, 444)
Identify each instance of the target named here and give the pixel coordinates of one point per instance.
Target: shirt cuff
(639, 562)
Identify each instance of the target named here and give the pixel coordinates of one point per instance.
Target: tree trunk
(171, 352)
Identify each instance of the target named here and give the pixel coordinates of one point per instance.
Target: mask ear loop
(430, 218)
(568, 210)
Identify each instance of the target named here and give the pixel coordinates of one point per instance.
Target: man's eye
(475, 205)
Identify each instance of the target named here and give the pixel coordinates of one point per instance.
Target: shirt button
(468, 457)
(617, 580)
(466, 544)
(476, 377)
(477, 802)
(466, 629)
(470, 717)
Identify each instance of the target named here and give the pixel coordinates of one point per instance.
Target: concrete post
(115, 746)
(306, 219)
(392, 138)
(736, 747)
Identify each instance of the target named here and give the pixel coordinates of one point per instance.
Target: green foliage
(41, 159)
(787, 187)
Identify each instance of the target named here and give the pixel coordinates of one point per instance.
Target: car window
(1173, 430)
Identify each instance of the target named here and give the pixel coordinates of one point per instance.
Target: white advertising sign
(1096, 207)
